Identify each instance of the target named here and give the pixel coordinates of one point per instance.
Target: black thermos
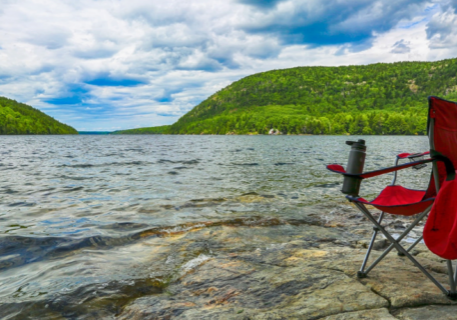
(356, 161)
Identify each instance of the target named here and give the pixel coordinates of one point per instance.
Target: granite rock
(373, 314)
(427, 313)
(291, 269)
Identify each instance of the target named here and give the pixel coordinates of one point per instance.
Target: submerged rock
(290, 265)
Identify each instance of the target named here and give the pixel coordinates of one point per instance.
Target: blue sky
(119, 64)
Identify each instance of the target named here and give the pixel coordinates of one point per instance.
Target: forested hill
(382, 98)
(19, 118)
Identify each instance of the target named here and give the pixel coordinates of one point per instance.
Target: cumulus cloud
(401, 46)
(101, 64)
(331, 22)
(261, 3)
(441, 30)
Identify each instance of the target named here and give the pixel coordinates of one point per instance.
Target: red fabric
(407, 210)
(431, 190)
(400, 201)
(440, 231)
(336, 168)
(445, 131)
(398, 196)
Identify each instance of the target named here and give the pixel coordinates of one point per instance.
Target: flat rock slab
(375, 314)
(293, 270)
(229, 287)
(404, 285)
(428, 312)
(395, 278)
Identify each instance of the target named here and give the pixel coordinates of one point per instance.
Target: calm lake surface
(89, 216)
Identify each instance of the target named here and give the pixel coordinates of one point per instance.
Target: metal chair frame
(395, 243)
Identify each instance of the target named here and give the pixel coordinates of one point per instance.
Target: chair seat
(399, 200)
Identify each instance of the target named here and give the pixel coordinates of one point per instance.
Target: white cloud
(104, 64)
(401, 46)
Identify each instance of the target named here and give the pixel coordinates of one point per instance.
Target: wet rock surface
(296, 269)
(116, 227)
(297, 264)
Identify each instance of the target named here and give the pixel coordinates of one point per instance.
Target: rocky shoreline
(292, 269)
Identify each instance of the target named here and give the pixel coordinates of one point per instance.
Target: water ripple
(89, 222)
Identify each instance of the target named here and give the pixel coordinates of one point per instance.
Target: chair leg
(455, 275)
(401, 249)
(362, 273)
(404, 234)
(412, 246)
(452, 293)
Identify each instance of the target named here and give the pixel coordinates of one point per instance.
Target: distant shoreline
(246, 134)
(95, 132)
(191, 134)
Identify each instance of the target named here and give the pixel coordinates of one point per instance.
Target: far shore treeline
(382, 98)
(19, 118)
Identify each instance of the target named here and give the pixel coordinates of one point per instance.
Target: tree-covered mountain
(19, 118)
(382, 98)
(149, 130)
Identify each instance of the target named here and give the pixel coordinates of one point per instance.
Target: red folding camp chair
(397, 200)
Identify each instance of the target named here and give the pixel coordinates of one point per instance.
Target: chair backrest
(442, 133)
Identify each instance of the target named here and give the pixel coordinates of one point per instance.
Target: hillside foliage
(19, 118)
(150, 130)
(371, 99)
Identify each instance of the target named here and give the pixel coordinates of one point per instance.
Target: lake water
(85, 216)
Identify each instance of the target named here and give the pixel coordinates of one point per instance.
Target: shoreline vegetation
(376, 99)
(19, 118)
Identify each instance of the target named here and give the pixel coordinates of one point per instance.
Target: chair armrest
(340, 169)
(411, 155)
(436, 156)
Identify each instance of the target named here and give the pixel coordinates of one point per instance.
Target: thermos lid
(359, 144)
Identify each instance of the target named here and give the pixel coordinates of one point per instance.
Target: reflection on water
(88, 223)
